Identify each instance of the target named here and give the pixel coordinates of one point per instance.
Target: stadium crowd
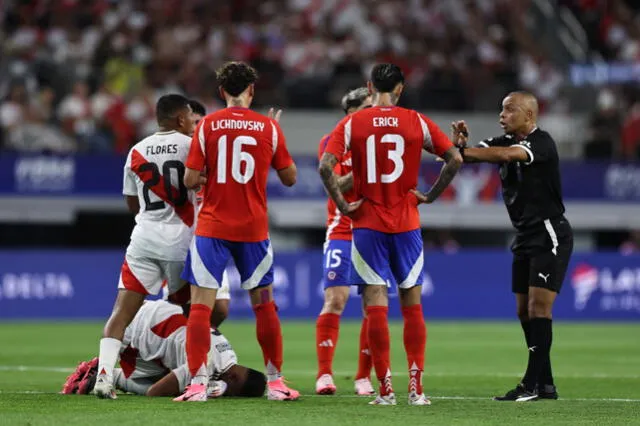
(79, 75)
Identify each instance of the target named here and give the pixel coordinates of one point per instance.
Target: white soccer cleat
(418, 399)
(363, 387)
(325, 385)
(103, 388)
(384, 400)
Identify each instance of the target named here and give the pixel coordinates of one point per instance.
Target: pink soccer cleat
(193, 393)
(325, 385)
(363, 387)
(279, 391)
(82, 380)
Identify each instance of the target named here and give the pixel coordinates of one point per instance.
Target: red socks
(378, 333)
(364, 355)
(415, 341)
(327, 330)
(270, 337)
(198, 337)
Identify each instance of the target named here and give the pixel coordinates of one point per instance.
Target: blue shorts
(337, 263)
(378, 258)
(208, 257)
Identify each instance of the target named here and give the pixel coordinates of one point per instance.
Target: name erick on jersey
(386, 145)
(154, 172)
(338, 225)
(238, 146)
(155, 342)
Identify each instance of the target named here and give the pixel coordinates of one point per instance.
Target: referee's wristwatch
(461, 149)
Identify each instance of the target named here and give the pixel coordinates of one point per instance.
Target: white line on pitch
(27, 368)
(444, 398)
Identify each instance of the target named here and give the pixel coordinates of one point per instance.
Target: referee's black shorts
(541, 256)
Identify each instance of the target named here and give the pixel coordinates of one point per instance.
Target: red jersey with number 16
(238, 146)
(386, 144)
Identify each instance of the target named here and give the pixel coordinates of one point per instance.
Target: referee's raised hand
(459, 133)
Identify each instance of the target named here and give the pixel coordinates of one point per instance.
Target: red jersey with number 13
(238, 146)
(386, 145)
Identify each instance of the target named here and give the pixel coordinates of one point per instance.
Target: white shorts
(222, 294)
(146, 276)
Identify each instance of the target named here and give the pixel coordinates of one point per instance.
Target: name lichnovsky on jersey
(229, 124)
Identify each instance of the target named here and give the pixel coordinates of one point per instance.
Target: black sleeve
(503, 140)
(539, 147)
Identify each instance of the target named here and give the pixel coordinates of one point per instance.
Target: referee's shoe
(520, 394)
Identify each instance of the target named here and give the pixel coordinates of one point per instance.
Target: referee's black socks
(539, 368)
(526, 329)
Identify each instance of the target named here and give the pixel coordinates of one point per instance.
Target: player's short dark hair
(235, 77)
(354, 99)
(168, 106)
(255, 384)
(385, 77)
(197, 107)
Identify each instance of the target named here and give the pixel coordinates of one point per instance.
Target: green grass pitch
(597, 369)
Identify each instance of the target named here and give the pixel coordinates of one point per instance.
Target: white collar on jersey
(168, 132)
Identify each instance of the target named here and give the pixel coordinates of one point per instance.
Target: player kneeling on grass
(153, 360)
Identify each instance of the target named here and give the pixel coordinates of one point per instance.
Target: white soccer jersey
(154, 343)
(154, 172)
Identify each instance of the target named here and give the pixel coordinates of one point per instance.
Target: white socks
(272, 372)
(109, 352)
(201, 377)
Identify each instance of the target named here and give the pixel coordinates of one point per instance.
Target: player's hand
(275, 115)
(421, 196)
(202, 180)
(459, 133)
(348, 209)
(216, 388)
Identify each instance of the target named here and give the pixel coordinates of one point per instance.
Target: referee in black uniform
(531, 189)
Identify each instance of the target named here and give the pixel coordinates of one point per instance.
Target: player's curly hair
(385, 77)
(354, 99)
(235, 77)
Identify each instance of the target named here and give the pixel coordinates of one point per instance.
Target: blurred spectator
(631, 133)
(605, 125)
(12, 112)
(75, 112)
(632, 244)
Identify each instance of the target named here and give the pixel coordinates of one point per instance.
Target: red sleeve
(337, 144)
(281, 157)
(323, 145)
(197, 154)
(436, 141)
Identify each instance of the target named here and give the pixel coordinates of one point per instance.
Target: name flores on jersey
(162, 149)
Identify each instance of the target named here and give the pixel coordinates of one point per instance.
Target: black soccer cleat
(518, 394)
(548, 392)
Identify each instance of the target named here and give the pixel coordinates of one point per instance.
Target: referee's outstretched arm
(496, 154)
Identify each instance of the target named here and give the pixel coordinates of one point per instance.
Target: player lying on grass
(153, 360)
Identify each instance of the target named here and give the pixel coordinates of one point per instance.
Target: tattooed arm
(453, 162)
(332, 185)
(345, 183)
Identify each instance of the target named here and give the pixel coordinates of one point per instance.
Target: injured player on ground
(153, 360)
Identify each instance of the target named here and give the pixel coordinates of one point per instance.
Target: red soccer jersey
(386, 145)
(338, 225)
(238, 146)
